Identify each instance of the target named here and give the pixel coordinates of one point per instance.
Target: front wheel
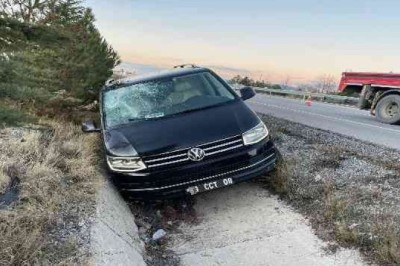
(388, 109)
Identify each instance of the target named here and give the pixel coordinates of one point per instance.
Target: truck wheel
(388, 109)
(363, 102)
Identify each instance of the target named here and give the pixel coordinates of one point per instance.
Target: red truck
(379, 92)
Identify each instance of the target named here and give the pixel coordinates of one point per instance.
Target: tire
(388, 109)
(363, 102)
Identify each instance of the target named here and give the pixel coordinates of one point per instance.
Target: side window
(207, 87)
(219, 88)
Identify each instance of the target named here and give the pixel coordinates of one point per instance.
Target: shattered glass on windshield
(139, 101)
(155, 99)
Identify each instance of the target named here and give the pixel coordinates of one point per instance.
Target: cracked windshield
(163, 97)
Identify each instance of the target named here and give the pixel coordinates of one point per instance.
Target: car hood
(180, 131)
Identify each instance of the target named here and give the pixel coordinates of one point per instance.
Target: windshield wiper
(144, 118)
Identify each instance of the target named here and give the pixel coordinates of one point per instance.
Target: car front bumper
(240, 165)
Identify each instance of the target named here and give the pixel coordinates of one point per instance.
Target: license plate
(210, 186)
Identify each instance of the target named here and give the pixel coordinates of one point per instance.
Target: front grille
(181, 156)
(200, 176)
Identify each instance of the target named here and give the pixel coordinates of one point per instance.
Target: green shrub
(13, 117)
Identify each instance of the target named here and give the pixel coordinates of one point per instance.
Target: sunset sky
(274, 40)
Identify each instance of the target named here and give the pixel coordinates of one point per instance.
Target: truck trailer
(379, 93)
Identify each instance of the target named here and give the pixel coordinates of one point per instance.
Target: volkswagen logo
(196, 154)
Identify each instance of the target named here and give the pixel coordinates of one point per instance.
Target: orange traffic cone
(309, 101)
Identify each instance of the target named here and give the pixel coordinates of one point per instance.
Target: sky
(280, 40)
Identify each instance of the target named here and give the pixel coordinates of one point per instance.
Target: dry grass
(5, 181)
(57, 169)
(279, 177)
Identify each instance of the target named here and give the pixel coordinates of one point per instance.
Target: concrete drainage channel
(114, 234)
(239, 225)
(120, 238)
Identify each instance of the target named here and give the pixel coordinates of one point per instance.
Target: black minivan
(183, 131)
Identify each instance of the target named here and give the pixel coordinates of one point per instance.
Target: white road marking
(326, 116)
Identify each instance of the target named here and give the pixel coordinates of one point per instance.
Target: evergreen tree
(51, 45)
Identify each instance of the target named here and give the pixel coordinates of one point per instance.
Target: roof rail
(187, 66)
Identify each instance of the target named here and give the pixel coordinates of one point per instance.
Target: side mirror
(247, 93)
(89, 126)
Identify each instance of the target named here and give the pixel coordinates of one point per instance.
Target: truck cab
(378, 92)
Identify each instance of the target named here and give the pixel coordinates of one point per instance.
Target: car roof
(155, 75)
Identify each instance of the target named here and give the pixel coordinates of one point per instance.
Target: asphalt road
(345, 120)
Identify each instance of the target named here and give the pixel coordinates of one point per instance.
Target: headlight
(256, 134)
(117, 144)
(125, 164)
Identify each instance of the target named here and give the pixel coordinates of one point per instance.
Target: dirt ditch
(165, 216)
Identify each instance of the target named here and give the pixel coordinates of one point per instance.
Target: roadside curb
(114, 233)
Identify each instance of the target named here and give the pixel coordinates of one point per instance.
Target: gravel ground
(348, 189)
